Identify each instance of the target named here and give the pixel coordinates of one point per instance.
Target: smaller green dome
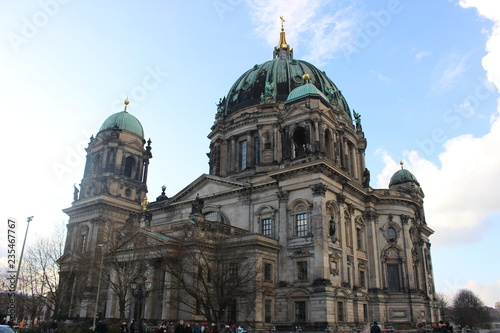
(124, 121)
(306, 90)
(403, 176)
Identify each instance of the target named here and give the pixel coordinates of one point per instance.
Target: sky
(424, 75)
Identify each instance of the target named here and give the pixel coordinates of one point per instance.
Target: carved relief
(340, 198)
(319, 189)
(282, 196)
(371, 216)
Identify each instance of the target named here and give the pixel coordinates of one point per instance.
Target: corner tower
(110, 196)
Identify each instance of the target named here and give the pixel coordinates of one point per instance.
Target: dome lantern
(283, 50)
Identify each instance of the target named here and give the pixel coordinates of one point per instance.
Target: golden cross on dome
(282, 21)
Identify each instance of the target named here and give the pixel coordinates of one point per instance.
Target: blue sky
(424, 75)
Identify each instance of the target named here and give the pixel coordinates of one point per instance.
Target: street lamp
(98, 285)
(30, 218)
(140, 294)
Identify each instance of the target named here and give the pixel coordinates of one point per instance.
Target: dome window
(299, 143)
(391, 234)
(129, 166)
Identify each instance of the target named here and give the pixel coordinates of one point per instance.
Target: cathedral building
(287, 181)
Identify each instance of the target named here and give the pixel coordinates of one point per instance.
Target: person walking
(180, 327)
(123, 327)
(375, 328)
(171, 327)
(53, 326)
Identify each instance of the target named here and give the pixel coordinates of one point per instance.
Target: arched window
(96, 165)
(300, 217)
(215, 216)
(256, 150)
(328, 144)
(129, 166)
(299, 143)
(265, 217)
(243, 145)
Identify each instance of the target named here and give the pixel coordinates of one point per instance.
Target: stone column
(250, 151)
(232, 158)
(373, 277)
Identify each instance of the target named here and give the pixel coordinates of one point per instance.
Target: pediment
(207, 185)
(143, 238)
(68, 257)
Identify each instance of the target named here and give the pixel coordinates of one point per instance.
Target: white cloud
(449, 69)
(422, 54)
(490, 10)
(318, 29)
(460, 197)
(488, 293)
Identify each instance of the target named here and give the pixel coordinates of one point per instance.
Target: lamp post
(98, 285)
(21, 258)
(22, 251)
(139, 295)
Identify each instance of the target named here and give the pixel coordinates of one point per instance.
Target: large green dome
(281, 75)
(124, 121)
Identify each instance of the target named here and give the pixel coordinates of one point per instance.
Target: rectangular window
(365, 312)
(243, 155)
(359, 236)
(266, 227)
(268, 318)
(84, 243)
(231, 311)
(393, 278)
(362, 279)
(300, 312)
(302, 270)
(268, 271)
(256, 150)
(340, 311)
(301, 224)
(233, 271)
(197, 309)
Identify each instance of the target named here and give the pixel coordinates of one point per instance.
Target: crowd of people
(180, 327)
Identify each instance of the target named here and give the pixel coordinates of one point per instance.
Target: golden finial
(283, 50)
(306, 76)
(401, 163)
(126, 102)
(145, 203)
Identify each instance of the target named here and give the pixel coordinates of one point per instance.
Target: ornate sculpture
(357, 117)
(197, 206)
(366, 178)
(333, 225)
(268, 92)
(221, 106)
(75, 192)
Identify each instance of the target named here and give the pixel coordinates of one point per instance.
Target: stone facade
(288, 178)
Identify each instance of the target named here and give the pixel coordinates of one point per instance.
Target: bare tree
(210, 271)
(468, 309)
(442, 304)
(125, 262)
(40, 272)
